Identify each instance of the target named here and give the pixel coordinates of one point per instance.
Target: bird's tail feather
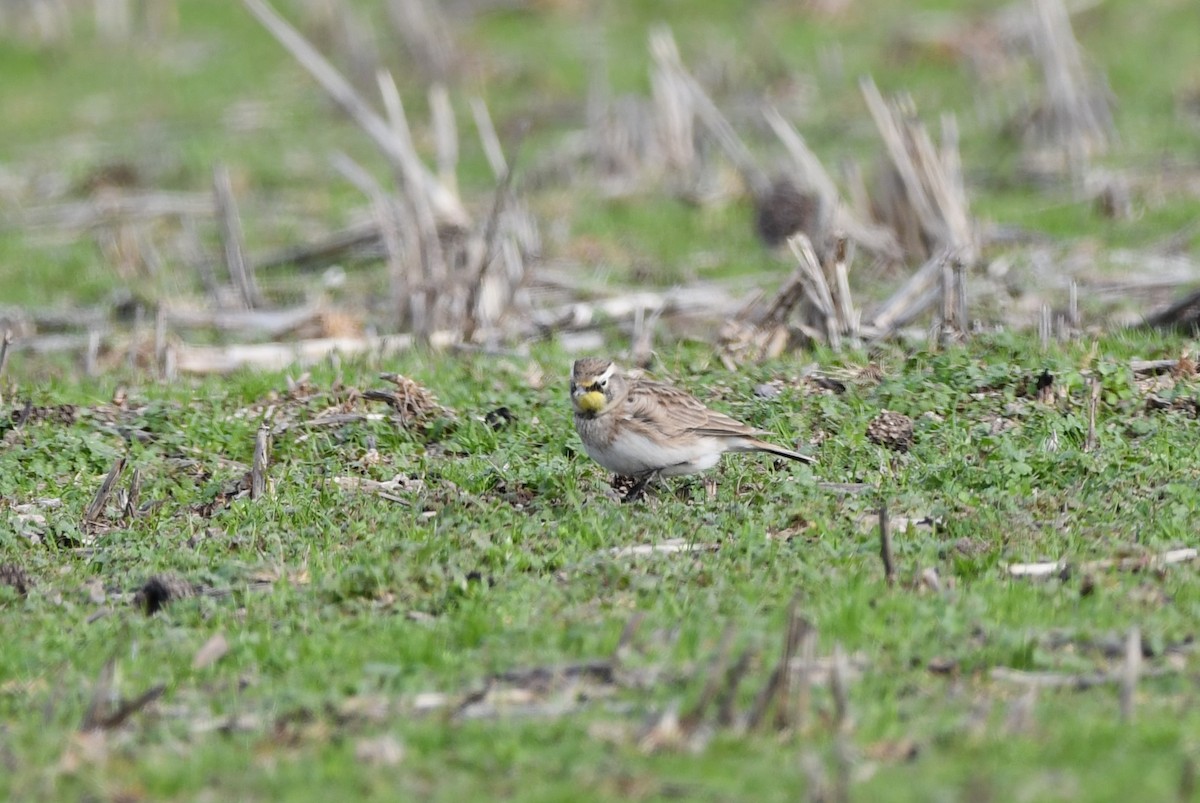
(779, 451)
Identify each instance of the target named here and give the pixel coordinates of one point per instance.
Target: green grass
(501, 561)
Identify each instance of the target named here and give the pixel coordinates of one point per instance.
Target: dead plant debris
(160, 590)
(781, 704)
(61, 414)
(413, 403)
(499, 418)
(15, 577)
(892, 430)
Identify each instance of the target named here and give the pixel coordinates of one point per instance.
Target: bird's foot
(638, 490)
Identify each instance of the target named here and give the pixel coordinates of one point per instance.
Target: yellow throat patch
(591, 402)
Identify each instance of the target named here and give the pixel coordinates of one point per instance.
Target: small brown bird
(642, 429)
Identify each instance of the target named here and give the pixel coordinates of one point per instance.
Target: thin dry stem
(232, 240)
(1130, 672)
(885, 544)
(1093, 385)
(488, 137)
(4, 344)
(912, 298)
(448, 208)
(258, 470)
(445, 133)
(96, 509)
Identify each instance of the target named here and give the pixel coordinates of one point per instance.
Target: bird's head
(595, 386)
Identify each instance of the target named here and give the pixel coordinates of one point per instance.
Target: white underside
(632, 455)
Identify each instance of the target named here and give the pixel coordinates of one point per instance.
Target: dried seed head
(413, 402)
(893, 430)
(783, 210)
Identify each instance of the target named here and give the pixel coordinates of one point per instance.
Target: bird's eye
(603, 383)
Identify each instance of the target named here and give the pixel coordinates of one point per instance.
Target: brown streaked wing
(674, 412)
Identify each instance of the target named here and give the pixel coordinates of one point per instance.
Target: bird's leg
(639, 489)
(684, 489)
(710, 488)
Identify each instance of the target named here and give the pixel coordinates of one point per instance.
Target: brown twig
(130, 707)
(912, 298)
(258, 471)
(1181, 316)
(717, 671)
(960, 285)
(885, 544)
(134, 494)
(838, 690)
(96, 508)
(950, 322)
(848, 315)
(232, 240)
(876, 239)
(101, 691)
(1074, 118)
(1187, 780)
(4, 344)
(628, 632)
(666, 54)
(404, 267)
(419, 195)
(487, 248)
(797, 630)
(674, 109)
(816, 289)
(775, 689)
(733, 679)
(1093, 385)
(931, 180)
(332, 248)
(160, 341)
(808, 656)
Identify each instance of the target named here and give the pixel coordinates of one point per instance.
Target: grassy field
(340, 608)
(456, 606)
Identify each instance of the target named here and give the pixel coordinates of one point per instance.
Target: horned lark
(642, 429)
